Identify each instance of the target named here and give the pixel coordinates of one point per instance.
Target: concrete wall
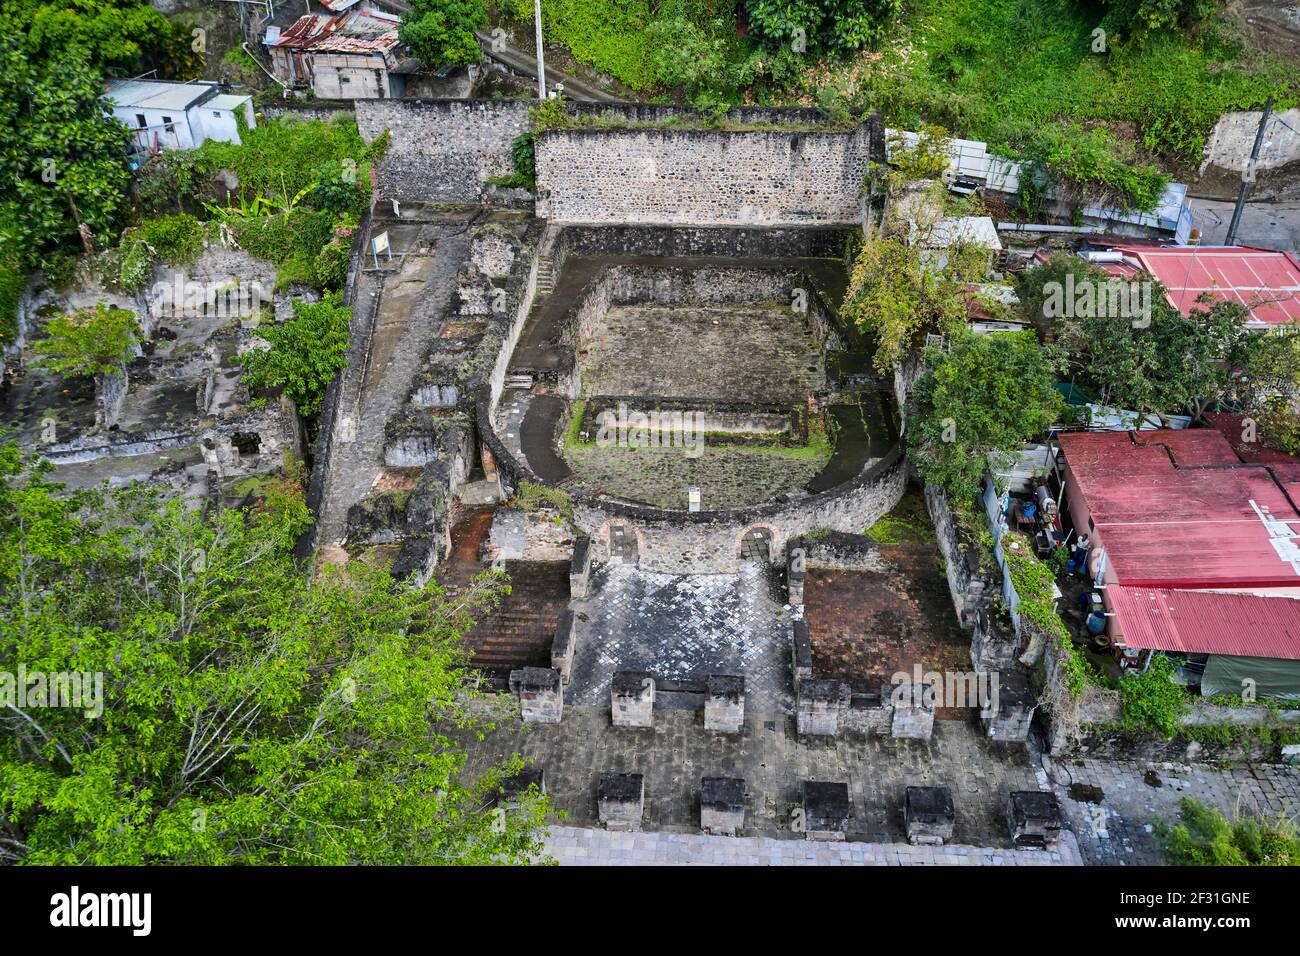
(442, 150)
(667, 176)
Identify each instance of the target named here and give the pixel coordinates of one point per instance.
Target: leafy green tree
(96, 341)
(1151, 700)
(306, 353)
(248, 712)
(63, 174)
(1205, 838)
(1143, 19)
(826, 25)
(441, 32)
(335, 188)
(986, 396)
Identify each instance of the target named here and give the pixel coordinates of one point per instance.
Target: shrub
(336, 189)
(1151, 700)
(175, 239)
(441, 32)
(331, 265)
(89, 342)
(135, 267)
(1205, 838)
(306, 353)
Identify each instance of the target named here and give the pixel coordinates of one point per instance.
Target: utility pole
(1248, 174)
(541, 64)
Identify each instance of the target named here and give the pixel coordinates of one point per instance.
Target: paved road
(1265, 224)
(573, 846)
(526, 64)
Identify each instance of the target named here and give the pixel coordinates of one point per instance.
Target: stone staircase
(545, 275)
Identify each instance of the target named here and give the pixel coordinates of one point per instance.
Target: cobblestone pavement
(1117, 829)
(572, 846)
(681, 627)
(772, 759)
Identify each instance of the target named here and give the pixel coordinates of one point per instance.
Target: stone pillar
(722, 805)
(801, 651)
(563, 646)
(992, 646)
(620, 800)
(821, 703)
(928, 815)
(540, 692)
(1034, 819)
(913, 711)
(825, 810)
(794, 578)
(724, 704)
(580, 568)
(632, 699)
(1011, 706)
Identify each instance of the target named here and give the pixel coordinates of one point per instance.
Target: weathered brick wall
(701, 176)
(442, 150)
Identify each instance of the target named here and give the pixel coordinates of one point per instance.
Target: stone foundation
(724, 704)
(825, 810)
(928, 815)
(540, 694)
(722, 805)
(564, 646)
(632, 699)
(620, 800)
(821, 703)
(1034, 819)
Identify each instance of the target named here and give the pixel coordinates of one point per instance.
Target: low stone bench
(928, 815)
(620, 800)
(540, 692)
(820, 705)
(1034, 819)
(825, 810)
(722, 805)
(632, 699)
(724, 704)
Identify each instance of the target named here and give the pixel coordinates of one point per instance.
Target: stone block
(821, 704)
(632, 699)
(620, 800)
(1034, 819)
(724, 703)
(722, 805)
(1011, 710)
(564, 645)
(580, 568)
(913, 712)
(540, 692)
(928, 815)
(825, 810)
(794, 578)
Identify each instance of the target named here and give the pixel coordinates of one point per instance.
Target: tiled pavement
(1117, 830)
(681, 627)
(571, 846)
(772, 759)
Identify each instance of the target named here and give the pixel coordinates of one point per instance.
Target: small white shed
(165, 114)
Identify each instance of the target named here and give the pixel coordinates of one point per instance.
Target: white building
(164, 114)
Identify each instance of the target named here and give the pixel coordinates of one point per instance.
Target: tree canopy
(441, 32)
(987, 395)
(247, 713)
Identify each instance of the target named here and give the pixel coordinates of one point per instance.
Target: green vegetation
(985, 397)
(249, 712)
(175, 239)
(523, 154)
(90, 342)
(306, 353)
(1112, 113)
(441, 32)
(531, 496)
(1033, 581)
(1151, 700)
(1205, 838)
(901, 529)
(1164, 361)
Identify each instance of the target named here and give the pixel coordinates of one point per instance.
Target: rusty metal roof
(356, 31)
(1207, 622)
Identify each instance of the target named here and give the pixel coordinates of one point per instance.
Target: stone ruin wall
(663, 176)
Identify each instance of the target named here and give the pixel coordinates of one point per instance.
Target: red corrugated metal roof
(1179, 509)
(1207, 622)
(1266, 282)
